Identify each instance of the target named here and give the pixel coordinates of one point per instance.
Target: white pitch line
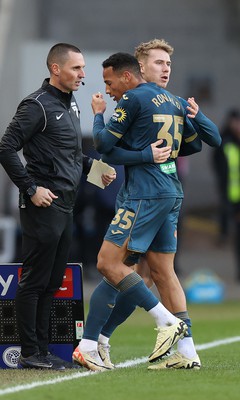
(217, 343)
(127, 363)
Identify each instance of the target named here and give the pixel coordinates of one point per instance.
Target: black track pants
(47, 235)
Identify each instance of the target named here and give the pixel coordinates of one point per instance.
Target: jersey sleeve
(208, 132)
(191, 142)
(27, 120)
(107, 137)
(120, 156)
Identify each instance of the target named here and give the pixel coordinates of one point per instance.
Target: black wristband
(31, 190)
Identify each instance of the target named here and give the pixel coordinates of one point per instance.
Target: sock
(185, 346)
(137, 292)
(103, 339)
(132, 293)
(122, 310)
(162, 316)
(87, 345)
(101, 305)
(140, 295)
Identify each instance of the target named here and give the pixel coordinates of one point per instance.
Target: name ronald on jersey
(162, 98)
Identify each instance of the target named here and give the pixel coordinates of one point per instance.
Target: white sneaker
(166, 338)
(104, 352)
(89, 360)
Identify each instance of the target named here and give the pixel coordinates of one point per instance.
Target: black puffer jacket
(47, 127)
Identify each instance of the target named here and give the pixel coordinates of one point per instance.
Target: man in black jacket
(47, 127)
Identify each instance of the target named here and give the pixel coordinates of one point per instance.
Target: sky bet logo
(9, 275)
(4, 285)
(8, 281)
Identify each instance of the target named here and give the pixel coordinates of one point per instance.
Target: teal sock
(133, 292)
(101, 305)
(103, 300)
(138, 294)
(122, 310)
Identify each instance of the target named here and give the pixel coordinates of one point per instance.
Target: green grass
(218, 379)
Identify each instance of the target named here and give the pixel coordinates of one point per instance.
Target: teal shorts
(147, 224)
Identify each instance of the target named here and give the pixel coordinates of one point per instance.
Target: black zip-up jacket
(47, 127)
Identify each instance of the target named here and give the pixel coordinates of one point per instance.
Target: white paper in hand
(99, 168)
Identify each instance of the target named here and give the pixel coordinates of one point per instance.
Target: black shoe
(35, 361)
(55, 360)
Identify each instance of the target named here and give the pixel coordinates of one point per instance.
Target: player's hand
(160, 154)
(43, 197)
(108, 178)
(193, 107)
(98, 103)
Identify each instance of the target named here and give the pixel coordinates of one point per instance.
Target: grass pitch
(218, 379)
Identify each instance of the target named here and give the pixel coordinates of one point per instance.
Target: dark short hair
(59, 53)
(122, 61)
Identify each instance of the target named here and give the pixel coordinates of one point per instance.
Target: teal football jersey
(142, 116)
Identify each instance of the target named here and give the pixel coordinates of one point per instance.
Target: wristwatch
(31, 190)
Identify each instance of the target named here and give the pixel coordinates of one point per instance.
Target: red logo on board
(66, 289)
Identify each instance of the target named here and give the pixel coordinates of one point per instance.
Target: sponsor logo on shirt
(168, 168)
(119, 115)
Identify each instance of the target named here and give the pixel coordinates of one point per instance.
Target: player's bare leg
(162, 272)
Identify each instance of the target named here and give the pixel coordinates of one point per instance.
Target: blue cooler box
(204, 287)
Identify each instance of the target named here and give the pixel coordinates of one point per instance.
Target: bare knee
(101, 264)
(110, 262)
(161, 267)
(106, 264)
